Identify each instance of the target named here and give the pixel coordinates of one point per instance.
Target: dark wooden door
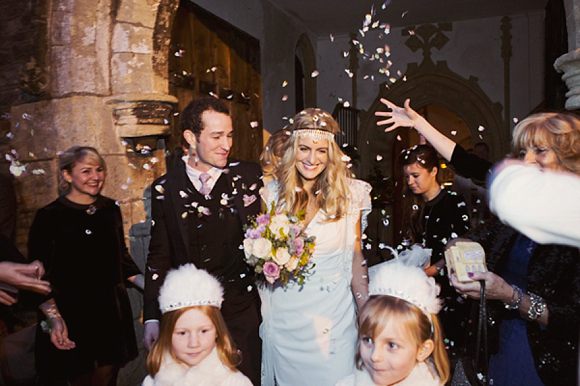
(209, 56)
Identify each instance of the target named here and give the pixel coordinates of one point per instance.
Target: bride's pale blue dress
(308, 332)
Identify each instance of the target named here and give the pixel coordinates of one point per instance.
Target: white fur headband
(188, 286)
(410, 283)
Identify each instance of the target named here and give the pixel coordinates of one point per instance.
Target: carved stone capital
(569, 64)
(141, 115)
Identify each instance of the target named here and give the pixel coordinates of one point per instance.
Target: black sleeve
(469, 165)
(128, 266)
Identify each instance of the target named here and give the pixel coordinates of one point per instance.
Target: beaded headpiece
(314, 134)
(408, 282)
(310, 123)
(188, 286)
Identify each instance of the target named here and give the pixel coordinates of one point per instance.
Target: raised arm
(407, 117)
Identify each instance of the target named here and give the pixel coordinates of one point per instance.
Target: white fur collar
(210, 372)
(421, 375)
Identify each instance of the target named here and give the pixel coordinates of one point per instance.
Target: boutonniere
(249, 200)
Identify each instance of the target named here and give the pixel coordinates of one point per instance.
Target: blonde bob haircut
(68, 160)
(225, 346)
(380, 310)
(559, 132)
(331, 185)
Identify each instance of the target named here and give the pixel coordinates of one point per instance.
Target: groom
(198, 212)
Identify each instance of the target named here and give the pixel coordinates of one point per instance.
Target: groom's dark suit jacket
(190, 228)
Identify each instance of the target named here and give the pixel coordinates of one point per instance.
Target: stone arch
(305, 50)
(434, 83)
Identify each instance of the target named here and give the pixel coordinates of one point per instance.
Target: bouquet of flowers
(276, 246)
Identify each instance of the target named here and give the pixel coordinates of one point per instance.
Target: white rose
(292, 264)
(262, 248)
(282, 256)
(279, 224)
(248, 246)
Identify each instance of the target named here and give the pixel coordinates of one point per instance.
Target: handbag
(461, 377)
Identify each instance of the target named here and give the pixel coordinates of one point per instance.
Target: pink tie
(204, 178)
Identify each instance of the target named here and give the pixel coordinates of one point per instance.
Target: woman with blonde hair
(535, 330)
(308, 330)
(79, 239)
(272, 154)
(551, 140)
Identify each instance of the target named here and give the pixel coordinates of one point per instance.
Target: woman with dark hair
(79, 238)
(432, 217)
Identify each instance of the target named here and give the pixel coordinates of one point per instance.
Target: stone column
(569, 64)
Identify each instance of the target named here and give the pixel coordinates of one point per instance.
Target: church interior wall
(473, 50)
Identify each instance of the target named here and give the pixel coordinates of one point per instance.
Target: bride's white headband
(314, 134)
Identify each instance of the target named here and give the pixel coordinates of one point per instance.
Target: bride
(308, 331)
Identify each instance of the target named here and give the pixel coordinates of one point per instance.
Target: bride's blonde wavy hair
(330, 186)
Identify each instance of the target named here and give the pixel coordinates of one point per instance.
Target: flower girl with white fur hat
(400, 340)
(194, 346)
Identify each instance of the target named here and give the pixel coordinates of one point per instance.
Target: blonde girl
(194, 346)
(400, 340)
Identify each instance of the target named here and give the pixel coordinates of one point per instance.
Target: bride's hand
(398, 116)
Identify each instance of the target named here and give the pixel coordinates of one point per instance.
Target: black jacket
(170, 245)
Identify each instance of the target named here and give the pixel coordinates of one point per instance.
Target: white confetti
(254, 124)
(481, 128)
(284, 98)
(379, 157)
(314, 74)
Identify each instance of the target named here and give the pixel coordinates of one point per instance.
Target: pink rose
(271, 271)
(299, 244)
